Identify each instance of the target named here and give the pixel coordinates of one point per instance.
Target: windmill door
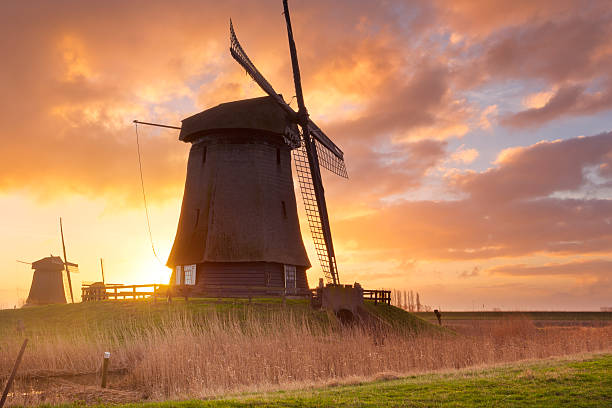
(290, 278)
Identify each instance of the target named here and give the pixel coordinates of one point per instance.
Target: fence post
(12, 377)
(105, 368)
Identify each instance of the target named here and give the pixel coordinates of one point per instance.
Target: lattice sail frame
(302, 167)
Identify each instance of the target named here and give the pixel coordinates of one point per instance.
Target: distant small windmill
(311, 148)
(48, 285)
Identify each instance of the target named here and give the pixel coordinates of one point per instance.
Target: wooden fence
(99, 291)
(383, 296)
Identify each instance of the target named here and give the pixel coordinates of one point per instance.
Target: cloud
(470, 274)
(481, 18)
(419, 107)
(591, 267)
(536, 171)
(380, 172)
(387, 78)
(538, 100)
(570, 100)
(463, 155)
(485, 120)
(507, 210)
(78, 77)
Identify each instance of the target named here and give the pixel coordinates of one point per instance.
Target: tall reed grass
(187, 356)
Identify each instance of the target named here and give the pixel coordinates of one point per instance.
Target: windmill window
(190, 274)
(197, 217)
(204, 155)
(278, 156)
(284, 209)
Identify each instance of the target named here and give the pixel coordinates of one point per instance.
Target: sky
(477, 137)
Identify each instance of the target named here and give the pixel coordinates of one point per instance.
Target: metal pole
(102, 268)
(66, 261)
(12, 377)
(156, 124)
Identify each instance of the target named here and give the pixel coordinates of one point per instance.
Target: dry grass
(184, 357)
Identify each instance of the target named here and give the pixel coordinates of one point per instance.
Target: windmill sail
(331, 157)
(243, 59)
(71, 267)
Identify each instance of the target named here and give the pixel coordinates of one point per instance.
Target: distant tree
(418, 302)
(411, 304)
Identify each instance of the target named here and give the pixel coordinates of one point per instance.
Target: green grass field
(552, 383)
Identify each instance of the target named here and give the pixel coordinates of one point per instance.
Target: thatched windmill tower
(238, 231)
(47, 282)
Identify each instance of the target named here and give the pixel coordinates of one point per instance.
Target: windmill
(47, 282)
(238, 232)
(48, 285)
(311, 149)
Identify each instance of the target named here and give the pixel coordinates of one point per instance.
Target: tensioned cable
(144, 197)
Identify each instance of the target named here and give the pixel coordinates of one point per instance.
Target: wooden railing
(383, 296)
(99, 291)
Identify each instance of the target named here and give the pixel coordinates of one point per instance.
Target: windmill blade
(238, 53)
(71, 267)
(243, 59)
(313, 214)
(332, 158)
(330, 155)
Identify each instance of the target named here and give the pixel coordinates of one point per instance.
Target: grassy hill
(116, 315)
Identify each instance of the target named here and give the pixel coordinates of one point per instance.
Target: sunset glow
(477, 137)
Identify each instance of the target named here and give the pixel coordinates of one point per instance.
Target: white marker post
(105, 367)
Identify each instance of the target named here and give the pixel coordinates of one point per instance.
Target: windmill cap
(257, 113)
(50, 262)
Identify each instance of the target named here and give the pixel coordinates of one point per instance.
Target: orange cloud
(594, 267)
(508, 210)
